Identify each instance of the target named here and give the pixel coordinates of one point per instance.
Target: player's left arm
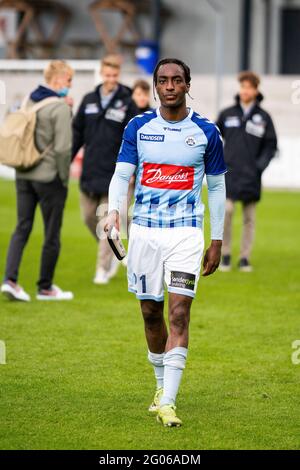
(216, 203)
(215, 170)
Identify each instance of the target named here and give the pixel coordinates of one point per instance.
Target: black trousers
(51, 198)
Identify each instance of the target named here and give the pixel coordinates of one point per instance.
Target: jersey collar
(177, 122)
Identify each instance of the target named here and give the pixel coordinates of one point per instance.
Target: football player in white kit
(169, 150)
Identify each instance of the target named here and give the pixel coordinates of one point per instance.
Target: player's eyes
(163, 80)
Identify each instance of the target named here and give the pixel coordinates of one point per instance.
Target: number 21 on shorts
(142, 280)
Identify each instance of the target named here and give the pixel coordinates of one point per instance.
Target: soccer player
(170, 149)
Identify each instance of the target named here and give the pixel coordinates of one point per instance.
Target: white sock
(157, 360)
(174, 363)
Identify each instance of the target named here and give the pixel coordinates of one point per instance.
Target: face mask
(63, 92)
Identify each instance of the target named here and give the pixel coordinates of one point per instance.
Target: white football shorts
(164, 256)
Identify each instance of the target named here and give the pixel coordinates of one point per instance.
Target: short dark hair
(248, 76)
(186, 69)
(142, 84)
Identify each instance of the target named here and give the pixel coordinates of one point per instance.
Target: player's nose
(170, 85)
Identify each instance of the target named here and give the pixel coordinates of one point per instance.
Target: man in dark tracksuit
(250, 144)
(98, 126)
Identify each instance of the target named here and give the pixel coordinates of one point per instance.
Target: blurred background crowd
(217, 39)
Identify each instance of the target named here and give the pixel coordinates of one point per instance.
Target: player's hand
(112, 220)
(212, 257)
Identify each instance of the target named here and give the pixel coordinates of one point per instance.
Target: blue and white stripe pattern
(171, 159)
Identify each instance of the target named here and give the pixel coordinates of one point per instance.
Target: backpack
(17, 136)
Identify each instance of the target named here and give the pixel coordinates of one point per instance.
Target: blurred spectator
(45, 185)
(98, 126)
(141, 95)
(250, 144)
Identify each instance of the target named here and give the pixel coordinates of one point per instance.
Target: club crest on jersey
(165, 176)
(190, 141)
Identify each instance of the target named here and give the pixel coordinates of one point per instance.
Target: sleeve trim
(217, 174)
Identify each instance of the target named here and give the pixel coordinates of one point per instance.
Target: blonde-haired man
(44, 185)
(98, 126)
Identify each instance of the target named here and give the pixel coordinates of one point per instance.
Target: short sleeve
(214, 155)
(128, 150)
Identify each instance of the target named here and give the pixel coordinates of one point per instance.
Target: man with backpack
(41, 177)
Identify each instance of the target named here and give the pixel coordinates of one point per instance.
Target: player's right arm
(125, 168)
(117, 195)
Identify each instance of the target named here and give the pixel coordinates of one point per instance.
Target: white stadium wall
(282, 100)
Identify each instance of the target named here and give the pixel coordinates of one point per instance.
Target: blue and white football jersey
(171, 159)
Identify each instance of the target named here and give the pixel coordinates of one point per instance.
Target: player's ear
(188, 86)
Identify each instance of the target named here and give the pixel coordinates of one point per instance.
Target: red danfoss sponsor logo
(165, 176)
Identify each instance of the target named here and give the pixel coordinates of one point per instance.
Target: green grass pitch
(77, 375)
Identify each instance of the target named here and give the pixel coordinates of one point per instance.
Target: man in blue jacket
(250, 144)
(98, 127)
